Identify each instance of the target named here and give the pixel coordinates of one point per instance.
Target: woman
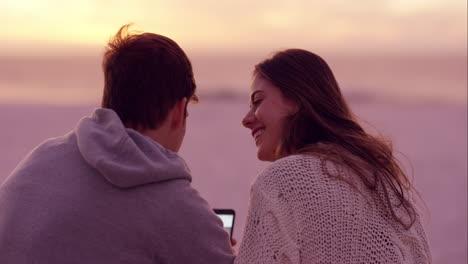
(333, 194)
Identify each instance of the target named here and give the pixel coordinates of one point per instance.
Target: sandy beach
(221, 155)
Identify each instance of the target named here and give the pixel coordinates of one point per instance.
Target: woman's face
(268, 109)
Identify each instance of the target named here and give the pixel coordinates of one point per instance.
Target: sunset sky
(241, 25)
(50, 50)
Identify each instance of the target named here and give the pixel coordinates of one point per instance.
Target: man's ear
(178, 113)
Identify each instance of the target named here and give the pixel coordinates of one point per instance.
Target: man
(114, 190)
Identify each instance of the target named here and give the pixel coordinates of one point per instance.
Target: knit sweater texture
(106, 194)
(306, 210)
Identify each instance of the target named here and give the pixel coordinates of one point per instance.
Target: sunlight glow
(241, 25)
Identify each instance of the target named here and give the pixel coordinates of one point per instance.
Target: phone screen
(227, 217)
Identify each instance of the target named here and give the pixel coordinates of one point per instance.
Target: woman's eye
(257, 102)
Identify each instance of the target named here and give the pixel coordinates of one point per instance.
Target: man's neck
(160, 135)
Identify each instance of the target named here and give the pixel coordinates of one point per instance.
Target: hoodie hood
(122, 155)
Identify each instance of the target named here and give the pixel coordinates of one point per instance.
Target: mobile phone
(227, 216)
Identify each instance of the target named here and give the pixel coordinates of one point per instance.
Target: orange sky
(406, 48)
(241, 25)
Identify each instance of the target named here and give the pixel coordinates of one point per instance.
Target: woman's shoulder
(292, 170)
(294, 162)
(298, 165)
(307, 173)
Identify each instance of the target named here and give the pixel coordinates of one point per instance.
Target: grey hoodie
(106, 194)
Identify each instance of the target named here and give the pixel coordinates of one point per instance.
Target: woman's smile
(256, 133)
(268, 108)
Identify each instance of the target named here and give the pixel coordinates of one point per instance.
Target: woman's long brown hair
(323, 118)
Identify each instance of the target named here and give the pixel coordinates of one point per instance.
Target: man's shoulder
(51, 155)
(52, 150)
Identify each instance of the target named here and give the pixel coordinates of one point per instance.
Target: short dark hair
(145, 74)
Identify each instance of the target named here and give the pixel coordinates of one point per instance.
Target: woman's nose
(248, 120)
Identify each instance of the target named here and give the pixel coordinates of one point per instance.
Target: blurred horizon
(414, 51)
(62, 79)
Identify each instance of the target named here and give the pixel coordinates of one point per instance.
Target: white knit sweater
(299, 214)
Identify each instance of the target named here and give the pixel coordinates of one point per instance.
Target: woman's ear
(293, 107)
(178, 113)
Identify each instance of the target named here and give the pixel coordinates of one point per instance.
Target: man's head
(147, 80)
